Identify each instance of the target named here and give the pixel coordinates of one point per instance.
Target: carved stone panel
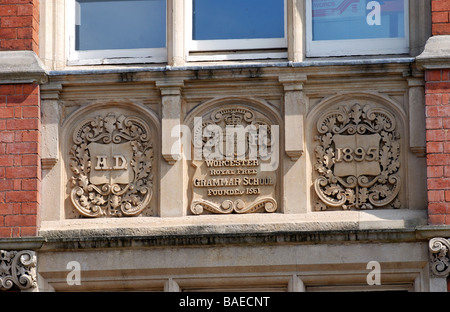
(357, 158)
(235, 164)
(111, 161)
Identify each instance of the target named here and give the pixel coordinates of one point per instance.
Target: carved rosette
(439, 256)
(228, 195)
(111, 162)
(357, 159)
(17, 270)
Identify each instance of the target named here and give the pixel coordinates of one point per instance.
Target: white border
(325, 48)
(116, 56)
(232, 44)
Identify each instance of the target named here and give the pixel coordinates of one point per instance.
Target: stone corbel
(294, 111)
(50, 118)
(171, 113)
(416, 94)
(18, 270)
(436, 53)
(21, 67)
(439, 257)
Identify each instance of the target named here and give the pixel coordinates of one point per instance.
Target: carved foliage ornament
(439, 248)
(111, 161)
(17, 269)
(357, 159)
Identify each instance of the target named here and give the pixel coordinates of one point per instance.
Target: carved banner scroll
(357, 159)
(236, 183)
(111, 162)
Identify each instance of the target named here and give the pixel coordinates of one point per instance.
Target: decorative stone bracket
(439, 257)
(17, 269)
(295, 109)
(171, 112)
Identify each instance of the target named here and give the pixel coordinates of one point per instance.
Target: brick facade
(438, 125)
(19, 25)
(19, 126)
(441, 17)
(438, 145)
(19, 159)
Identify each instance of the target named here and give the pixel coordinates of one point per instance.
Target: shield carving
(111, 163)
(357, 155)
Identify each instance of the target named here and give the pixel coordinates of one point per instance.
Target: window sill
(212, 65)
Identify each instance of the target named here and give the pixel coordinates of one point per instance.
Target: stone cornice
(57, 239)
(79, 240)
(21, 67)
(21, 243)
(436, 54)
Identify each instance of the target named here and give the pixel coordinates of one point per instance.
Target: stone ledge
(436, 54)
(22, 243)
(65, 241)
(21, 67)
(320, 227)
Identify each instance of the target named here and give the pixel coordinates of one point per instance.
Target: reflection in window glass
(120, 24)
(238, 19)
(358, 19)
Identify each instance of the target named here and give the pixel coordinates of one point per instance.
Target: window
(218, 25)
(117, 31)
(357, 27)
(136, 31)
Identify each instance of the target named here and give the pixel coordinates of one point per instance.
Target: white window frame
(116, 56)
(354, 47)
(222, 48)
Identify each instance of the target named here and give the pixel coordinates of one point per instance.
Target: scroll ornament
(111, 162)
(17, 270)
(357, 159)
(439, 256)
(238, 206)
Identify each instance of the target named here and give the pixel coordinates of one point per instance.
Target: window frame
(355, 47)
(224, 48)
(109, 56)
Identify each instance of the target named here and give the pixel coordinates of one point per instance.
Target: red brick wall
(441, 17)
(438, 145)
(437, 89)
(19, 25)
(19, 159)
(19, 126)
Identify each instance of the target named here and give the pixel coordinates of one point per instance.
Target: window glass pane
(238, 19)
(120, 24)
(358, 19)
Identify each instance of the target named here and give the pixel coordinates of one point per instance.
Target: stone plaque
(357, 159)
(111, 162)
(234, 164)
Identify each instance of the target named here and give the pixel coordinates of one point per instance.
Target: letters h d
(120, 163)
(211, 143)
